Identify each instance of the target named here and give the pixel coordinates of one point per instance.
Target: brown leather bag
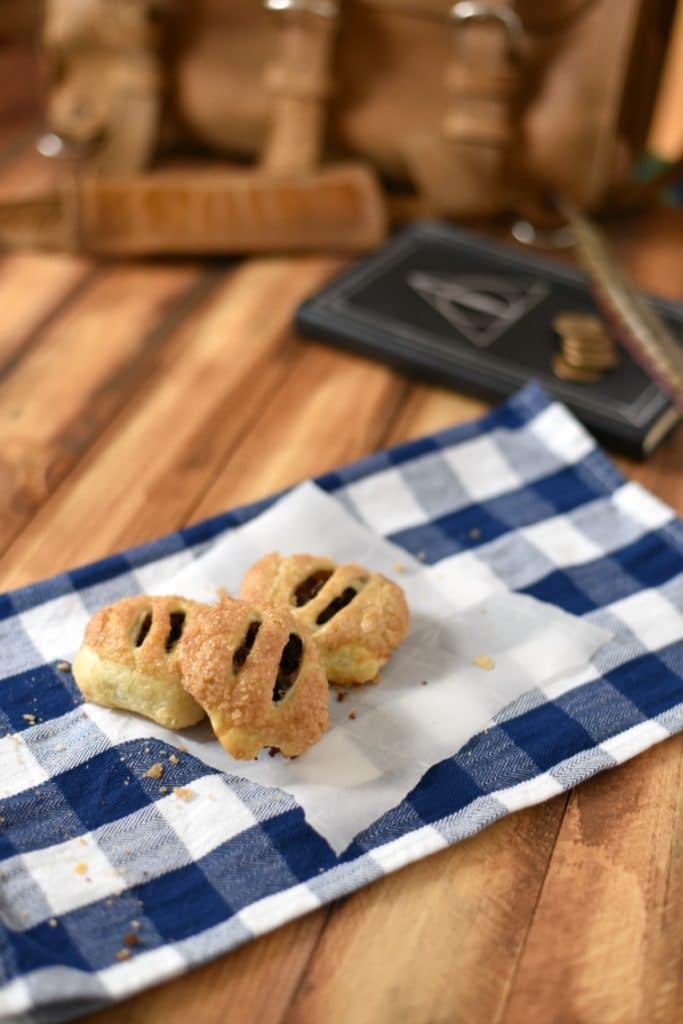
(479, 107)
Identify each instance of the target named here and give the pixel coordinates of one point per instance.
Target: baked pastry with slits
(129, 659)
(258, 675)
(357, 617)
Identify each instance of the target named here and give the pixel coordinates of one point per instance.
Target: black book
(450, 307)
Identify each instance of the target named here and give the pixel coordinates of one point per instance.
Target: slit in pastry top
(288, 669)
(175, 630)
(336, 605)
(142, 629)
(311, 587)
(243, 651)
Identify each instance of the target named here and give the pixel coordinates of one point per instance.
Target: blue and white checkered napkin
(521, 499)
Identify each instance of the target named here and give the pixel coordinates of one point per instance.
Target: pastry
(258, 675)
(357, 617)
(129, 659)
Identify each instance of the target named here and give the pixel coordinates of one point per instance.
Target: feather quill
(634, 322)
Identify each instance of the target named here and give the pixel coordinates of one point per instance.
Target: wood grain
(209, 384)
(618, 856)
(33, 290)
(314, 423)
(61, 395)
(437, 941)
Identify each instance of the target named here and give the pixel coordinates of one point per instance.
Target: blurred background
(415, 107)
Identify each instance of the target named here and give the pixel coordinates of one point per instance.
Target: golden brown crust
(233, 665)
(129, 659)
(355, 638)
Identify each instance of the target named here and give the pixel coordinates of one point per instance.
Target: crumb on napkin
(484, 661)
(155, 772)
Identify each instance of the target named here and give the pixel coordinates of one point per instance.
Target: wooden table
(136, 398)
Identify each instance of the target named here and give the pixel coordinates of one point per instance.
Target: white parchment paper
(365, 765)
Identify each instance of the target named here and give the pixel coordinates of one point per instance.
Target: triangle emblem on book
(481, 307)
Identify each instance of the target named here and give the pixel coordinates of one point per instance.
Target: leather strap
(300, 82)
(464, 172)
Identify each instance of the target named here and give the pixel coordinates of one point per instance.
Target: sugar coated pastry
(258, 675)
(357, 617)
(129, 659)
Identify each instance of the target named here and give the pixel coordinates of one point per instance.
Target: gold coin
(588, 355)
(582, 341)
(590, 360)
(578, 323)
(564, 371)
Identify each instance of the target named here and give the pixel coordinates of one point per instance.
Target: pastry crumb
(63, 666)
(52, 922)
(181, 748)
(352, 715)
(131, 939)
(81, 868)
(483, 661)
(163, 789)
(155, 772)
(123, 954)
(28, 717)
(174, 759)
(475, 533)
(184, 793)
(341, 696)
(135, 924)
(399, 567)
(272, 751)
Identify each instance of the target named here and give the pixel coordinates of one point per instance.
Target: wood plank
(428, 409)
(34, 289)
(437, 940)
(167, 446)
(334, 408)
(59, 398)
(611, 903)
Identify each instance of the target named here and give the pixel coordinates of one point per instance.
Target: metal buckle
(472, 10)
(320, 8)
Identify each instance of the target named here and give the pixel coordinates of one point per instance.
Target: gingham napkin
(108, 885)
(382, 739)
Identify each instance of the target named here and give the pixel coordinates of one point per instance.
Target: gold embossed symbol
(586, 349)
